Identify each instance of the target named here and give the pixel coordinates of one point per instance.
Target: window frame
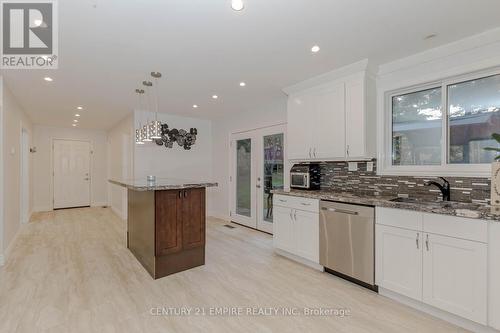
(444, 169)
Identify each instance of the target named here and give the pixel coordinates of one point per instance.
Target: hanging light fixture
(138, 132)
(147, 128)
(155, 124)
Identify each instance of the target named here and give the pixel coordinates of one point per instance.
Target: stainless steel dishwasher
(347, 241)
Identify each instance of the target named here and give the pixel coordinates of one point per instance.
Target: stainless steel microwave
(305, 176)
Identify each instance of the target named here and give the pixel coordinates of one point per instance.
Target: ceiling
(203, 47)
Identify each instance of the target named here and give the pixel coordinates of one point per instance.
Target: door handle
(418, 241)
(86, 178)
(343, 211)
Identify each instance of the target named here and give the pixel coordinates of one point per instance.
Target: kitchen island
(166, 224)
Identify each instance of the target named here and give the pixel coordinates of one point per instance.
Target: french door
(257, 167)
(71, 173)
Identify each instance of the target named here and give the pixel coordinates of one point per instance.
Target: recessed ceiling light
(75, 120)
(215, 96)
(79, 107)
(77, 115)
(430, 36)
(195, 106)
(242, 84)
(315, 49)
(74, 125)
(237, 5)
(48, 79)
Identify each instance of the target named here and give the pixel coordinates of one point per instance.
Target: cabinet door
(355, 118)
(283, 229)
(306, 231)
(329, 123)
(168, 226)
(455, 276)
(193, 218)
(300, 114)
(398, 262)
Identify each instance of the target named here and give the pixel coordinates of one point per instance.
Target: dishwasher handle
(343, 211)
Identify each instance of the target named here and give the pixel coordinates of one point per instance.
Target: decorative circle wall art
(182, 137)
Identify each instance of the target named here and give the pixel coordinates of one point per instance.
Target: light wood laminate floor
(70, 272)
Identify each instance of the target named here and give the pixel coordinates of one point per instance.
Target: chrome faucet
(445, 188)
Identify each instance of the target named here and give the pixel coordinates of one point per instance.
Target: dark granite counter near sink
(461, 209)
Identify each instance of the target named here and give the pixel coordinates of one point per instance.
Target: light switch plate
(369, 166)
(353, 166)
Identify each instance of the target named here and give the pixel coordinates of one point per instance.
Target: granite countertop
(462, 209)
(161, 184)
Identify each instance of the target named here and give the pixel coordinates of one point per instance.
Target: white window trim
(458, 170)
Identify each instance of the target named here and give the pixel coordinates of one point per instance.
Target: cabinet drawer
(399, 218)
(306, 204)
(458, 227)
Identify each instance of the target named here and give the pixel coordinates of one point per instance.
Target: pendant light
(138, 132)
(155, 124)
(147, 127)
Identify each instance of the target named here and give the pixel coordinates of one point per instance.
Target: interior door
(71, 173)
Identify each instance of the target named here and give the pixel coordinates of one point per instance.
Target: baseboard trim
(219, 216)
(118, 213)
(42, 209)
(98, 204)
(10, 247)
(435, 312)
(298, 259)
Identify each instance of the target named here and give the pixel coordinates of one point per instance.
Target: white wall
(194, 164)
(13, 120)
(43, 171)
(120, 163)
(222, 128)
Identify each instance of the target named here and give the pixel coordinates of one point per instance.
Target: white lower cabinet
(440, 270)
(455, 276)
(399, 260)
(296, 231)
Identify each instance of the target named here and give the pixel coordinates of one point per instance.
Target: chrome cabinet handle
(305, 204)
(427, 242)
(282, 200)
(347, 150)
(291, 217)
(295, 215)
(180, 194)
(336, 210)
(185, 194)
(314, 152)
(310, 152)
(418, 241)
(258, 186)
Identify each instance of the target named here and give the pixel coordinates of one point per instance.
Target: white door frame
(256, 134)
(24, 175)
(91, 166)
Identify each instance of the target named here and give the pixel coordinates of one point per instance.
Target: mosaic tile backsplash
(336, 177)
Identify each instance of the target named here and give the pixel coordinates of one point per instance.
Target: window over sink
(443, 127)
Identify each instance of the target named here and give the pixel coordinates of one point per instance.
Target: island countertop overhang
(161, 184)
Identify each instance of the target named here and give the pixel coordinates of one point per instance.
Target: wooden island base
(166, 229)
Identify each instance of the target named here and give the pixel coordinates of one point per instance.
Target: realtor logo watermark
(29, 34)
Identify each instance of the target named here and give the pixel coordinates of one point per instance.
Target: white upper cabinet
(332, 117)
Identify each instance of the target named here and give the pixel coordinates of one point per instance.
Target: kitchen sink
(437, 204)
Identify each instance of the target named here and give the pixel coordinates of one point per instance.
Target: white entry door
(71, 173)
(257, 167)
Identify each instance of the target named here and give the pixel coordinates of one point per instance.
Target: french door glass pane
(243, 177)
(474, 115)
(416, 128)
(273, 171)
